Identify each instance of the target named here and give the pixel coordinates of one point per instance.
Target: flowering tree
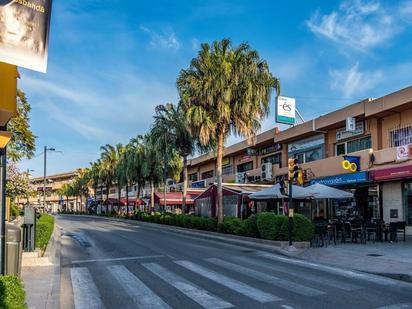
(17, 184)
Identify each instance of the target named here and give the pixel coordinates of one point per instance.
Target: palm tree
(226, 90)
(171, 125)
(110, 157)
(64, 190)
(94, 177)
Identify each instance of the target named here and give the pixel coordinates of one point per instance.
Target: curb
(280, 247)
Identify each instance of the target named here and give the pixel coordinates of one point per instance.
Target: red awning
(393, 173)
(175, 198)
(132, 201)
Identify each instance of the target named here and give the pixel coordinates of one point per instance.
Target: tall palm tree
(110, 157)
(170, 125)
(94, 177)
(226, 90)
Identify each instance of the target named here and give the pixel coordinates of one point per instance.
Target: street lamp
(46, 149)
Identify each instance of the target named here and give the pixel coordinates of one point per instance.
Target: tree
(65, 190)
(171, 126)
(23, 142)
(110, 158)
(94, 177)
(226, 90)
(17, 184)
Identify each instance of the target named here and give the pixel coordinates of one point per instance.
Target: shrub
(250, 227)
(46, 218)
(271, 226)
(303, 229)
(210, 224)
(43, 233)
(12, 294)
(14, 211)
(196, 223)
(231, 225)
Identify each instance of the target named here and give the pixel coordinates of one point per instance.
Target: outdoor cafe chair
(371, 231)
(393, 231)
(400, 229)
(354, 232)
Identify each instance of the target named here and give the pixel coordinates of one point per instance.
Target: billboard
(24, 33)
(285, 110)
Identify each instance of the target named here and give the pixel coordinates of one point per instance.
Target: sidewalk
(41, 275)
(383, 258)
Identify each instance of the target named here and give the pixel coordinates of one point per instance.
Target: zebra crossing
(221, 272)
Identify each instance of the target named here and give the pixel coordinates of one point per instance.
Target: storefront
(365, 204)
(396, 184)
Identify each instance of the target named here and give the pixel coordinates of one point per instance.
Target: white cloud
(405, 11)
(165, 40)
(358, 24)
(352, 82)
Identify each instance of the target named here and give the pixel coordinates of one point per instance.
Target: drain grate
(374, 254)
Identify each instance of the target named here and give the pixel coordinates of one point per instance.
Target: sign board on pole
(285, 110)
(24, 33)
(350, 124)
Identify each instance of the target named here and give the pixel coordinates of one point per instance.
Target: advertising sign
(344, 179)
(24, 33)
(285, 110)
(403, 152)
(343, 133)
(350, 124)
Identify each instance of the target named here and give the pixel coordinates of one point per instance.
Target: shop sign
(225, 161)
(307, 143)
(24, 33)
(399, 172)
(198, 184)
(344, 179)
(403, 152)
(244, 158)
(343, 133)
(285, 110)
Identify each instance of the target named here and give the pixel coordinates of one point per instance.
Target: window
(274, 159)
(193, 177)
(354, 145)
(208, 174)
(245, 167)
(227, 170)
(400, 136)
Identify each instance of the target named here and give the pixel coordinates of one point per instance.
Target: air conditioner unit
(240, 177)
(266, 169)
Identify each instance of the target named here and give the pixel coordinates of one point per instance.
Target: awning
(274, 193)
(393, 173)
(320, 191)
(113, 202)
(132, 201)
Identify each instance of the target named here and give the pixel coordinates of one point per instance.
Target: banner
(24, 33)
(285, 110)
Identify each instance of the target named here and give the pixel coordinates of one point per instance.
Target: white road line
(142, 296)
(397, 306)
(281, 283)
(230, 283)
(326, 281)
(334, 270)
(117, 259)
(287, 307)
(85, 293)
(199, 295)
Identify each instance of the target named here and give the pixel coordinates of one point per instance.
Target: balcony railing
(400, 135)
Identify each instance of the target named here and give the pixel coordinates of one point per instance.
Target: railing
(400, 135)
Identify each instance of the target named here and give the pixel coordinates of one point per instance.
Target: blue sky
(111, 62)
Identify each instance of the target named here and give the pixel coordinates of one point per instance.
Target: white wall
(392, 199)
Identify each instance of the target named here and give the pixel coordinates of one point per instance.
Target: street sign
(285, 110)
(24, 33)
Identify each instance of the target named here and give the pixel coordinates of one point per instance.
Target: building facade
(381, 141)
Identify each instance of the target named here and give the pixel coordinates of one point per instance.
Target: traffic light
(293, 169)
(301, 178)
(284, 187)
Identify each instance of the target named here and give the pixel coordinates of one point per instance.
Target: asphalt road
(108, 264)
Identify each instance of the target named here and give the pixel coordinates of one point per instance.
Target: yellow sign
(8, 92)
(351, 166)
(291, 212)
(225, 161)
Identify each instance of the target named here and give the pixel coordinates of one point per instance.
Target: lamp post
(44, 175)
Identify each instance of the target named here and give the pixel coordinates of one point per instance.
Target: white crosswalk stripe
(230, 283)
(85, 293)
(199, 295)
(322, 280)
(282, 283)
(397, 306)
(143, 296)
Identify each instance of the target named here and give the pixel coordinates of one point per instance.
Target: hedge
(275, 227)
(12, 294)
(44, 230)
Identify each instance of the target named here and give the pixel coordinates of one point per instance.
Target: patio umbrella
(274, 193)
(320, 191)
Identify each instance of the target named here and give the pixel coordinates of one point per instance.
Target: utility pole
(44, 174)
(2, 210)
